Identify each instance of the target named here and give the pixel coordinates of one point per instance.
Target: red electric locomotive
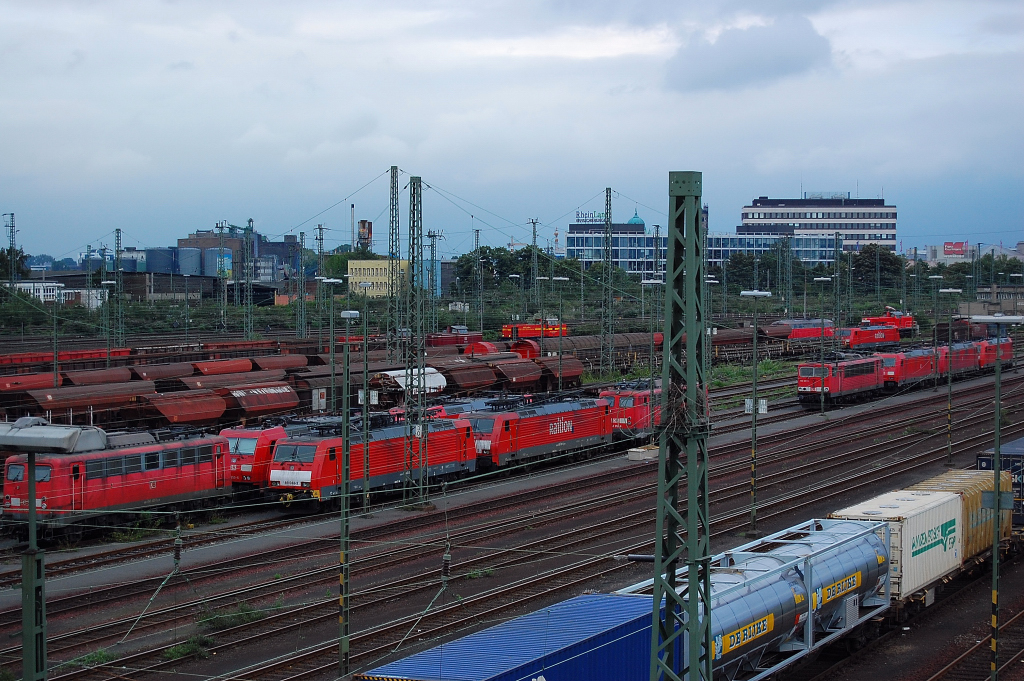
(801, 329)
(843, 381)
(83, 473)
(308, 468)
(631, 409)
(251, 451)
(987, 353)
(894, 318)
(959, 358)
(904, 369)
(535, 433)
(870, 338)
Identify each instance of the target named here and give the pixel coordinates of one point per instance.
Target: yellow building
(376, 273)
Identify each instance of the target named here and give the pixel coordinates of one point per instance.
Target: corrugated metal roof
(153, 372)
(223, 366)
(98, 376)
(194, 406)
(571, 367)
(539, 642)
(280, 362)
(23, 382)
(225, 380)
(259, 400)
(520, 373)
(95, 396)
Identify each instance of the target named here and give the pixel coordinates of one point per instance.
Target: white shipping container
(925, 534)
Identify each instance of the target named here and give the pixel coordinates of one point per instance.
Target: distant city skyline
(163, 118)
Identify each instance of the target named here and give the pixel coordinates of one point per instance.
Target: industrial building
(859, 222)
(375, 272)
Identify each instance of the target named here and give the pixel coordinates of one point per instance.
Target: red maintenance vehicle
(800, 329)
(87, 476)
(870, 338)
(547, 329)
(531, 433)
(894, 318)
(307, 469)
(632, 406)
(847, 380)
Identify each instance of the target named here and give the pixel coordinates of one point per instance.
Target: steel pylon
(683, 629)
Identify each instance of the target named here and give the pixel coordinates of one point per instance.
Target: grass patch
(94, 659)
(480, 574)
(6, 674)
(723, 375)
(217, 519)
(146, 525)
(196, 646)
(225, 619)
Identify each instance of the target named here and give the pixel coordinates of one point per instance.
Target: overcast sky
(165, 117)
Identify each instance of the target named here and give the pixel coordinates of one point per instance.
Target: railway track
(371, 645)
(976, 662)
(327, 608)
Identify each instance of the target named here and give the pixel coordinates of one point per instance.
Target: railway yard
(242, 581)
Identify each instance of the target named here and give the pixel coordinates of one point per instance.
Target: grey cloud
(741, 57)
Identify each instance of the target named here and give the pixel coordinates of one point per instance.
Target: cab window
(889, 361)
(625, 401)
(298, 453)
(246, 446)
(16, 472)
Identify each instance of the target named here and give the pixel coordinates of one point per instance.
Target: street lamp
(824, 370)
(753, 533)
(332, 282)
(365, 285)
(518, 284)
(561, 327)
(935, 329)
(346, 469)
(106, 314)
(1000, 321)
(542, 320)
(949, 382)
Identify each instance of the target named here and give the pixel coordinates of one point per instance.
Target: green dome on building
(636, 219)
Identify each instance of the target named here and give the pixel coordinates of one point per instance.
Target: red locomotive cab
(811, 378)
(892, 367)
(630, 411)
(251, 451)
(292, 468)
(51, 499)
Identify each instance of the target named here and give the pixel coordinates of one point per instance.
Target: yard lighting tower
(333, 341)
(654, 324)
(109, 287)
(711, 308)
(1001, 321)
(935, 279)
(753, 533)
(365, 285)
(186, 308)
(515, 306)
(561, 281)
(949, 381)
(821, 304)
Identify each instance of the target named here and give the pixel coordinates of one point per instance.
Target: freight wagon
(775, 601)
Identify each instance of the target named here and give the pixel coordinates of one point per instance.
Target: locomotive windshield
(482, 425)
(298, 453)
(812, 372)
(16, 473)
(889, 361)
(242, 445)
(625, 401)
(845, 332)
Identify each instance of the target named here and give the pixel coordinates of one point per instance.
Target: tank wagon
(774, 601)
(85, 475)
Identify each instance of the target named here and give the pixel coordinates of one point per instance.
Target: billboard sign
(954, 248)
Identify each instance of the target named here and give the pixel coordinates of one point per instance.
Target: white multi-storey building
(858, 222)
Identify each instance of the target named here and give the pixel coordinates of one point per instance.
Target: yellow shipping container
(977, 520)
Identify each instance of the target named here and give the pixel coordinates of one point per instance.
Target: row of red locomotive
(84, 474)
